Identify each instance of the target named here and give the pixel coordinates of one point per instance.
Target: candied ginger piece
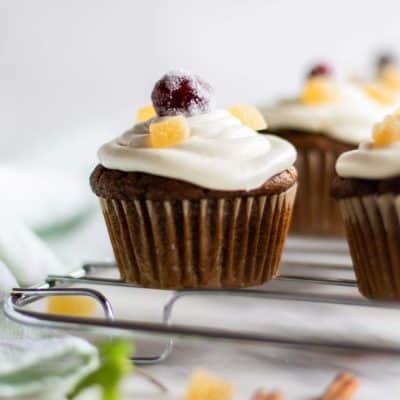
(204, 386)
(390, 77)
(264, 395)
(249, 116)
(81, 306)
(145, 113)
(380, 93)
(386, 132)
(169, 131)
(320, 90)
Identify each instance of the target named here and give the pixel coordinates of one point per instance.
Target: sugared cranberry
(384, 60)
(180, 93)
(321, 69)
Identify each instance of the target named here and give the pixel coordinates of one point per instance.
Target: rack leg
(166, 319)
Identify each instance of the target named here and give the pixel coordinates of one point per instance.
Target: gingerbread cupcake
(388, 73)
(368, 192)
(194, 197)
(328, 118)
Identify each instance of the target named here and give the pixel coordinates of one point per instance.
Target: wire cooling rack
(309, 254)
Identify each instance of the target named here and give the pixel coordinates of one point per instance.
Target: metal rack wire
(95, 274)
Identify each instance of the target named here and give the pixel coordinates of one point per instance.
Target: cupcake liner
(373, 230)
(221, 242)
(315, 212)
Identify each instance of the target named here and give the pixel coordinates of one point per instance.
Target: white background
(69, 66)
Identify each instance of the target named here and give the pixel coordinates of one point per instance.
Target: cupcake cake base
(315, 212)
(371, 214)
(172, 234)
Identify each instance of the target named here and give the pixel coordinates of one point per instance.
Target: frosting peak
(369, 163)
(349, 119)
(221, 153)
(376, 159)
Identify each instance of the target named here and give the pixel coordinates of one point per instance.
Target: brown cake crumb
(351, 187)
(308, 141)
(315, 211)
(114, 184)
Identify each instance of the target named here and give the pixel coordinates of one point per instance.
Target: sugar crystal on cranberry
(180, 93)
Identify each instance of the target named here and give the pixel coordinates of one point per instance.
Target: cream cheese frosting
(220, 154)
(369, 163)
(348, 120)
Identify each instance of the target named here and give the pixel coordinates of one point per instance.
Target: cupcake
(368, 192)
(194, 197)
(328, 118)
(388, 76)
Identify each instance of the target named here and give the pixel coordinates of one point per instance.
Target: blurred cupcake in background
(381, 82)
(368, 192)
(388, 74)
(329, 116)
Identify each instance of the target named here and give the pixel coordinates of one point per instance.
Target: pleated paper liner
(315, 212)
(207, 243)
(373, 231)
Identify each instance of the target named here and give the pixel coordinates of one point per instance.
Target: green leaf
(114, 365)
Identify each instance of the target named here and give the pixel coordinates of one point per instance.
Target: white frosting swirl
(220, 154)
(349, 120)
(369, 163)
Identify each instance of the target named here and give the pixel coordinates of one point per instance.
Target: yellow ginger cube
(80, 306)
(390, 77)
(169, 131)
(380, 93)
(145, 113)
(249, 116)
(386, 132)
(320, 90)
(204, 386)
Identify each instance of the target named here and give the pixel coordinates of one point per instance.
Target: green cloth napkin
(45, 199)
(43, 367)
(25, 255)
(34, 363)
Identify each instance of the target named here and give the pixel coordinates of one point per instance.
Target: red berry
(180, 93)
(321, 69)
(385, 60)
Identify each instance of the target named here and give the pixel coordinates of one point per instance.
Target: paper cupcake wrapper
(315, 212)
(226, 242)
(373, 230)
